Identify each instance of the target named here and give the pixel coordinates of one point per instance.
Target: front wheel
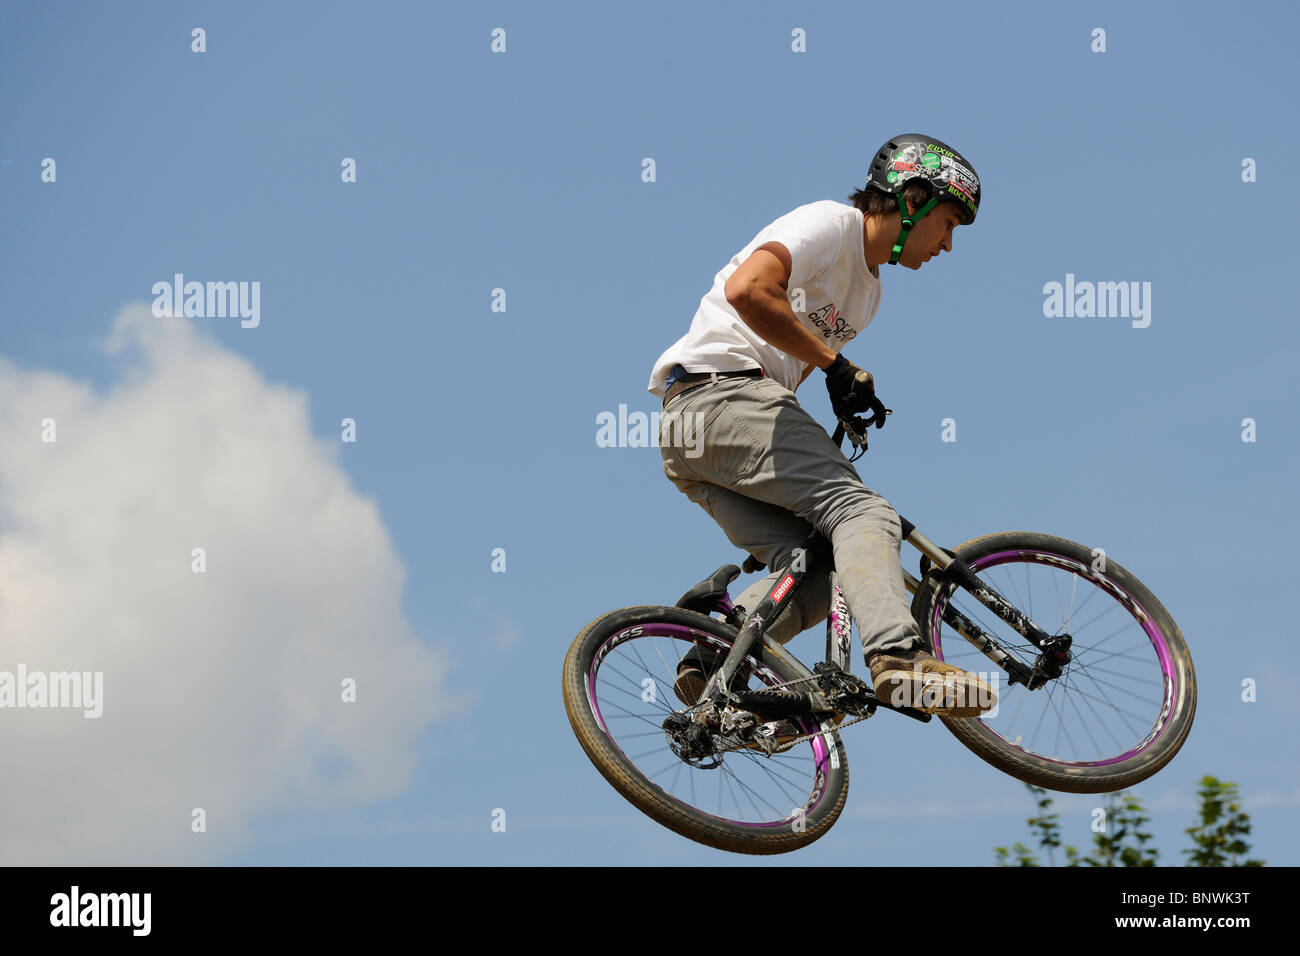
(618, 692)
(1124, 704)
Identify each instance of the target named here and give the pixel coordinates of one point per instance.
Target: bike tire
(1131, 661)
(584, 703)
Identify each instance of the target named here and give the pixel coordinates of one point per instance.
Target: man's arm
(757, 290)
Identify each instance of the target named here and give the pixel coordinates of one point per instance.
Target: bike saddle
(704, 596)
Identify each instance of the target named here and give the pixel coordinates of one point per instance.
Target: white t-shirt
(840, 298)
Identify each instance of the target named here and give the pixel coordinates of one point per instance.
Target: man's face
(931, 236)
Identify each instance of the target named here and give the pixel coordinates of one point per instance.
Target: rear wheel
(618, 692)
(1124, 704)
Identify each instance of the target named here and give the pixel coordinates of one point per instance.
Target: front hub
(1054, 655)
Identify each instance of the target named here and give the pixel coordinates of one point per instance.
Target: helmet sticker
(931, 162)
(962, 176)
(909, 154)
(913, 157)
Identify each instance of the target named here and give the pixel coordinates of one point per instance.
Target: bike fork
(1055, 649)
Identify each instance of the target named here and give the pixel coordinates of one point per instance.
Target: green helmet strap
(908, 223)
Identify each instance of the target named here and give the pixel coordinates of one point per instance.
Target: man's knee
(868, 512)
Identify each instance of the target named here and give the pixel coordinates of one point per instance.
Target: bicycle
(773, 752)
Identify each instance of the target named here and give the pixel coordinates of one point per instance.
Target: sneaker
(918, 680)
(694, 671)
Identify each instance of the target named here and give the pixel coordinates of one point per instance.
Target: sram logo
(782, 588)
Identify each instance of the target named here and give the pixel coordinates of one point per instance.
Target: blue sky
(476, 428)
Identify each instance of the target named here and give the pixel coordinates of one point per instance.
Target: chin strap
(908, 223)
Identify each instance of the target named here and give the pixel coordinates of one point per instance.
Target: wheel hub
(1053, 657)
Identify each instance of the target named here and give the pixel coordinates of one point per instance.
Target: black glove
(851, 389)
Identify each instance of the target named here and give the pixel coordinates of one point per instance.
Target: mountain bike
(1097, 688)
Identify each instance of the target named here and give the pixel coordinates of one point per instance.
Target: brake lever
(856, 428)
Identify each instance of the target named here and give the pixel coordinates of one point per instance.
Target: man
(764, 469)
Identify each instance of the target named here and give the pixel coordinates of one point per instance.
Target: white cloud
(221, 689)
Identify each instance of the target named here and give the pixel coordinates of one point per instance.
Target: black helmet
(946, 173)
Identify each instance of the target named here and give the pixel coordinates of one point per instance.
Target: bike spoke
(1082, 719)
(1128, 622)
(1112, 663)
(1118, 710)
(655, 647)
(629, 713)
(752, 786)
(757, 761)
(752, 794)
(1096, 668)
(636, 694)
(1093, 648)
(1105, 726)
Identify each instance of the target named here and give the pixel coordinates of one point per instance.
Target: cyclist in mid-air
(760, 465)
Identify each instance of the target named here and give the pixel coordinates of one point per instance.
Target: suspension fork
(1055, 649)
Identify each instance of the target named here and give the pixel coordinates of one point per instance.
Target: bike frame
(815, 554)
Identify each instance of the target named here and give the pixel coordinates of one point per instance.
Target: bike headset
(947, 174)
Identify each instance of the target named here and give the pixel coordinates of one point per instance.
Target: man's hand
(851, 389)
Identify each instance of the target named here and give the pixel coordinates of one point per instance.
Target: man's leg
(769, 532)
(752, 438)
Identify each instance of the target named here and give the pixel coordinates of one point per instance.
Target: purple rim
(1154, 635)
(821, 752)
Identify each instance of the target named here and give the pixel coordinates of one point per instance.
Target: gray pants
(746, 452)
